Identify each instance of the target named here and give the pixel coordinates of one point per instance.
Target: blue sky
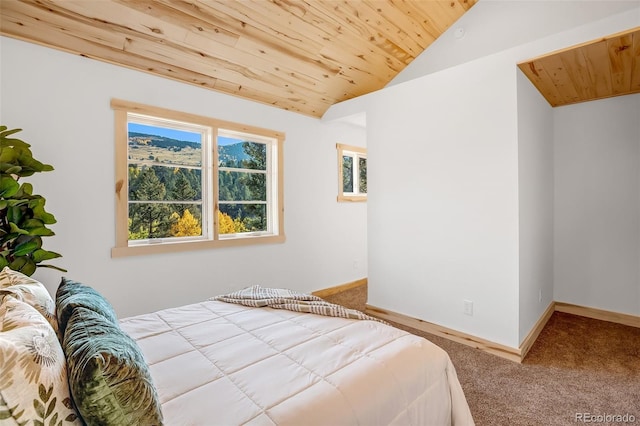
(180, 135)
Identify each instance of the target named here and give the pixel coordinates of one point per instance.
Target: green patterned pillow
(22, 287)
(72, 294)
(108, 375)
(33, 371)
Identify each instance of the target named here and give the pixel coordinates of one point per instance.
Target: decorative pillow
(33, 372)
(22, 287)
(72, 294)
(108, 375)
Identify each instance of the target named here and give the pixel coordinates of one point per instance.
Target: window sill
(176, 247)
(351, 198)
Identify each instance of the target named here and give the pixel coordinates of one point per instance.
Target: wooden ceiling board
(299, 55)
(635, 66)
(594, 70)
(620, 51)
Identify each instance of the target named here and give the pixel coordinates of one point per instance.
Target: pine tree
(149, 219)
(183, 191)
(256, 184)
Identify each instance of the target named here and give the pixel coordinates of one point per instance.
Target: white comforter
(215, 363)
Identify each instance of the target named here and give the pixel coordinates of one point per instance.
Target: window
(186, 182)
(352, 173)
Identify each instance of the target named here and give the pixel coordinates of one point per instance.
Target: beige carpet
(578, 367)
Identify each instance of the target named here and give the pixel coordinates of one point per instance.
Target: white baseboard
(503, 351)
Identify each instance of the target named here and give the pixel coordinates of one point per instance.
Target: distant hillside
(145, 145)
(159, 141)
(231, 155)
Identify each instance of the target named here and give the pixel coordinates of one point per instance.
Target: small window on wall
(352, 173)
(187, 182)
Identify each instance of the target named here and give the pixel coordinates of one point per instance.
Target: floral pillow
(22, 287)
(33, 371)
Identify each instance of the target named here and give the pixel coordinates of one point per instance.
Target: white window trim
(356, 152)
(210, 238)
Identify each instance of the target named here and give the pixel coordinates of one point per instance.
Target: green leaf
(39, 408)
(42, 231)
(53, 420)
(8, 186)
(31, 165)
(37, 205)
(23, 264)
(27, 247)
(4, 132)
(27, 188)
(3, 262)
(10, 169)
(16, 230)
(14, 214)
(52, 405)
(47, 394)
(32, 223)
(38, 422)
(42, 391)
(4, 204)
(41, 255)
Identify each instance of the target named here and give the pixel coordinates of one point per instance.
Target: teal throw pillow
(108, 375)
(72, 294)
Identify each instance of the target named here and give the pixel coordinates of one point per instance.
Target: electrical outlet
(468, 307)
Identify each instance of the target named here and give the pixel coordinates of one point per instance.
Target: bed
(219, 363)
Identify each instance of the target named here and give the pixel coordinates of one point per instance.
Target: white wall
(62, 103)
(535, 195)
(445, 198)
(597, 204)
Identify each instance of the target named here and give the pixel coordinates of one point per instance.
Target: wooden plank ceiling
(299, 55)
(594, 70)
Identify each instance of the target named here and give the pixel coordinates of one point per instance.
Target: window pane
(362, 169)
(239, 154)
(152, 145)
(144, 184)
(165, 166)
(183, 184)
(237, 218)
(347, 173)
(164, 220)
(242, 186)
(158, 183)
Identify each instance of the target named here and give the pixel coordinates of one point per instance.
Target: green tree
(182, 191)
(149, 219)
(256, 217)
(347, 173)
(362, 169)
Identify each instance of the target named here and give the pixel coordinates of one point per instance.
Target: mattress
(215, 363)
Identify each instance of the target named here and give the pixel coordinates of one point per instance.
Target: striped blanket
(280, 298)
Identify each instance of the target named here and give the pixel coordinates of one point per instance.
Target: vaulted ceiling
(299, 55)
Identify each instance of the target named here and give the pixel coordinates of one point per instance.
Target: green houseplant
(23, 218)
